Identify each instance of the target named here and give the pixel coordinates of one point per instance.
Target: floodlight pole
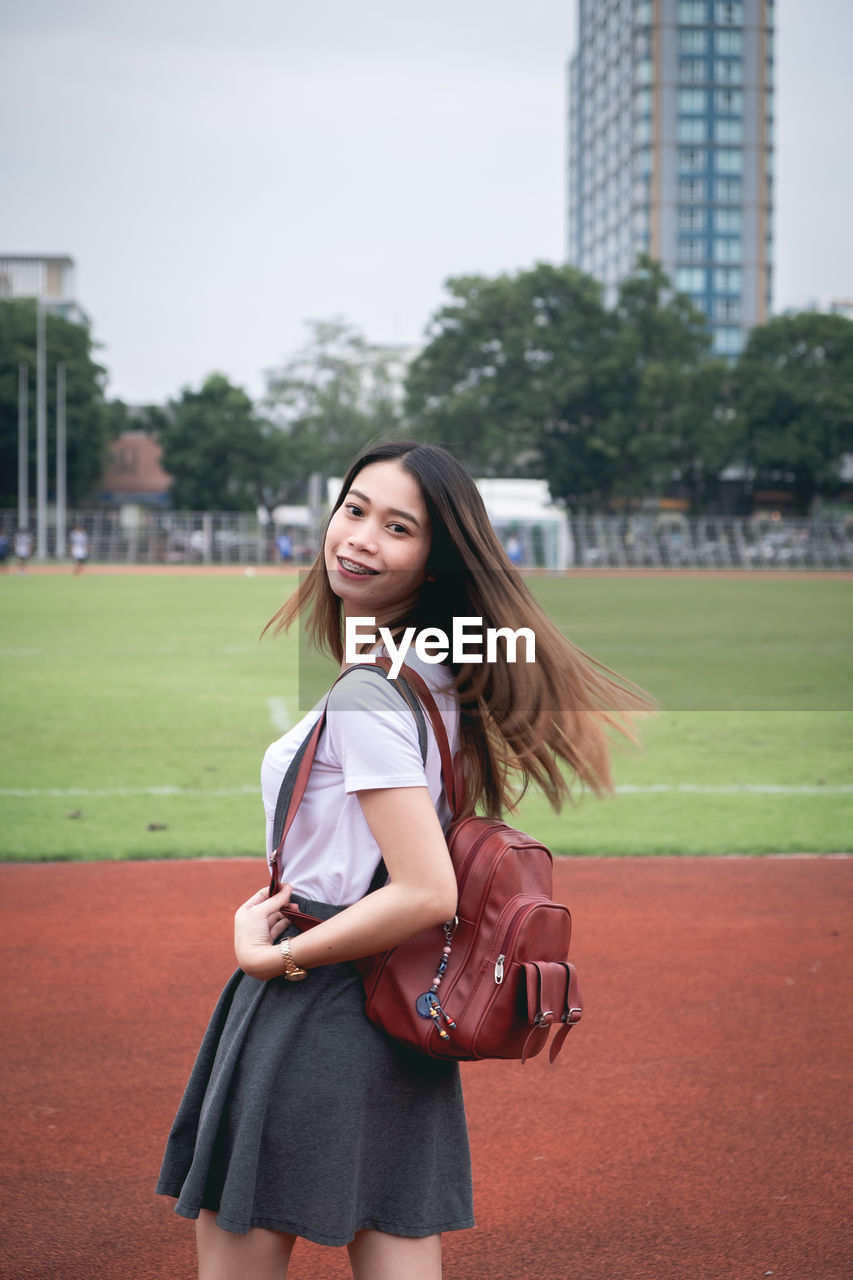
(60, 462)
(23, 446)
(41, 435)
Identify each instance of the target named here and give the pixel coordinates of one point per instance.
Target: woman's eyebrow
(393, 511)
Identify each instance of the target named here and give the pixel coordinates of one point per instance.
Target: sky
(223, 173)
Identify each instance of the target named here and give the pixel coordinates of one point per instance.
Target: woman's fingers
(257, 898)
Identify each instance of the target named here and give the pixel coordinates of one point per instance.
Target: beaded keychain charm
(428, 1005)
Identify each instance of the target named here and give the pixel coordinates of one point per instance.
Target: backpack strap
(451, 780)
(295, 780)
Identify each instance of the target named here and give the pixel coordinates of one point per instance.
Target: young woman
(300, 1118)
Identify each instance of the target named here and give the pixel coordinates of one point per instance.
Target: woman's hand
(255, 925)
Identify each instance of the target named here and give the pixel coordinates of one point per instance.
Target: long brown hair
(519, 722)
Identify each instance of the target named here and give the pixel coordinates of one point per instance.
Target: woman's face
(378, 542)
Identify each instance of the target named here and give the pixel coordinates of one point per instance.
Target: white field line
(733, 789)
(30, 792)
(279, 715)
(661, 788)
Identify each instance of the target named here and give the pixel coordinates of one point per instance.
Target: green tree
(511, 370)
(793, 389)
(668, 414)
(219, 452)
(533, 374)
(87, 430)
(332, 396)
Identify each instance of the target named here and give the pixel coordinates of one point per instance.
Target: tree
(532, 374)
(668, 414)
(219, 453)
(331, 397)
(87, 431)
(506, 359)
(794, 403)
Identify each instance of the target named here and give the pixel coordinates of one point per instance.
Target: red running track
(696, 1125)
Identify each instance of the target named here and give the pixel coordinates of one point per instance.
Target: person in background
(285, 547)
(79, 540)
(23, 548)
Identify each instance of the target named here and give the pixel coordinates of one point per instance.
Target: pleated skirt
(300, 1116)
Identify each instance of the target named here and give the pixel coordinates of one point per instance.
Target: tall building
(671, 151)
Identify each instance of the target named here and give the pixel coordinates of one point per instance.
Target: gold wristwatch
(292, 972)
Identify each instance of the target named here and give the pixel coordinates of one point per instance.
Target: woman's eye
(398, 528)
(353, 508)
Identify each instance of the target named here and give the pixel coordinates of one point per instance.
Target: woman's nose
(363, 538)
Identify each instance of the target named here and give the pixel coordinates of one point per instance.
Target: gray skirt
(300, 1116)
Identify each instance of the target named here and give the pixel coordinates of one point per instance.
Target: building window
(691, 189)
(692, 159)
(728, 341)
(692, 129)
(728, 250)
(728, 220)
(692, 11)
(643, 130)
(768, 161)
(727, 280)
(644, 71)
(689, 279)
(728, 42)
(700, 303)
(728, 160)
(692, 101)
(728, 102)
(728, 131)
(728, 14)
(643, 13)
(643, 102)
(768, 132)
(692, 71)
(643, 158)
(727, 309)
(692, 40)
(643, 45)
(690, 219)
(691, 249)
(728, 190)
(728, 71)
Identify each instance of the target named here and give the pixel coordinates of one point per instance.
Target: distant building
(48, 277)
(671, 151)
(831, 307)
(134, 473)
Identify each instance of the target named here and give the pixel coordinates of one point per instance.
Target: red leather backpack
(493, 982)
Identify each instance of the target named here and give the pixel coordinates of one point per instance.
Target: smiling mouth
(352, 566)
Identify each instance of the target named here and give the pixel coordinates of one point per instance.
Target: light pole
(23, 446)
(60, 462)
(41, 435)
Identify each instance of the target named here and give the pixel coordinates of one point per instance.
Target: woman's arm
(421, 892)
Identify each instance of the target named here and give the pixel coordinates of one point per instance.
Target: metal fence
(666, 541)
(653, 540)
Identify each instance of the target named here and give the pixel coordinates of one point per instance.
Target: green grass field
(136, 710)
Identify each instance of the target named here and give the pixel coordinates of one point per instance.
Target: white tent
(535, 533)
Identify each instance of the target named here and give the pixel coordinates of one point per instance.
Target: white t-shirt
(79, 544)
(370, 741)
